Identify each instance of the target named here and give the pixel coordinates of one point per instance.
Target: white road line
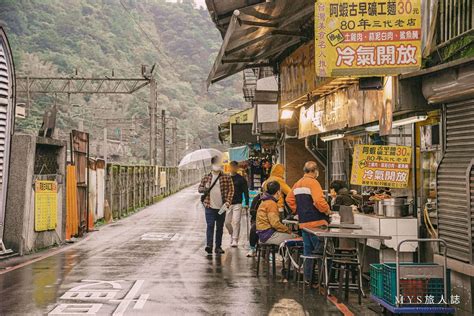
(129, 298)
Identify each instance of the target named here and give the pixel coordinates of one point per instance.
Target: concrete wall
(19, 191)
(463, 285)
(296, 155)
(20, 212)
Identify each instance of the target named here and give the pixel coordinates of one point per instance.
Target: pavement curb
(44, 256)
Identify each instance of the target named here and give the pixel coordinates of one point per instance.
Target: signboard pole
(414, 178)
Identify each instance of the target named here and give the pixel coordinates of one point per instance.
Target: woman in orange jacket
(277, 174)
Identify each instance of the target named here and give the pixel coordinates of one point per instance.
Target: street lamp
(286, 114)
(401, 122)
(332, 137)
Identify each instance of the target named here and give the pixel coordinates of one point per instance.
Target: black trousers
(253, 237)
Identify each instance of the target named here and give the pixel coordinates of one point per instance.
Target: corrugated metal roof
(221, 11)
(259, 34)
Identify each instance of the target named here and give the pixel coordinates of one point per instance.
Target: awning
(221, 11)
(331, 85)
(238, 154)
(449, 82)
(260, 34)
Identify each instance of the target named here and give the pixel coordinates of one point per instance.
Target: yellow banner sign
(46, 205)
(367, 38)
(381, 166)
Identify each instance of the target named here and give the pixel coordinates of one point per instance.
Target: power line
(157, 47)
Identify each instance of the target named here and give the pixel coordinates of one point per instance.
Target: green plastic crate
(376, 279)
(420, 287)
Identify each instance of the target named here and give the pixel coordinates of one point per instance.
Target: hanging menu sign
(367, 38)
(381, 166)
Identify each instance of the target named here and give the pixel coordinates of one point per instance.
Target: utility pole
(153, 109)
(105, 143)
(163, 126)
(175, 142)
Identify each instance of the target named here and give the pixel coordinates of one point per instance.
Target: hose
(429, 226)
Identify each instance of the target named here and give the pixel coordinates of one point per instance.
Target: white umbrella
(199, 158)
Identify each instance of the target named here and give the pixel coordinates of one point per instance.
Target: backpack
(257, 200)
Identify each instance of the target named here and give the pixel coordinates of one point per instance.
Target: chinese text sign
(381, 166)
(46, 205)
(367, 38)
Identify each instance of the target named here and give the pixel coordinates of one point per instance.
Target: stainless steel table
(295, 223)
(345, 226)
(357, 234)
(291, 223)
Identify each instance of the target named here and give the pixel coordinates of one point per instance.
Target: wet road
(153, 263)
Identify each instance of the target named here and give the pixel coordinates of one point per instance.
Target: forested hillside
(94, 37)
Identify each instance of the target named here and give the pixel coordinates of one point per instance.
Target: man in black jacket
(341, 195)
(233, 216)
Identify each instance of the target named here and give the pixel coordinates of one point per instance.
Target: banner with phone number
(381, 166)
(367, 38)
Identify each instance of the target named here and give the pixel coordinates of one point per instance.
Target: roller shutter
(455, 181)
(7, 80)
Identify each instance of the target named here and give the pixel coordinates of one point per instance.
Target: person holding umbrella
(217, 191)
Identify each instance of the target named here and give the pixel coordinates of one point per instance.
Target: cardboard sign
(367, 38)
(381, 166)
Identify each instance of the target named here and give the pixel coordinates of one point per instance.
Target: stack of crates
(376, 279)
(423, 280)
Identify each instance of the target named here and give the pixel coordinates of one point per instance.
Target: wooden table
(357, 234)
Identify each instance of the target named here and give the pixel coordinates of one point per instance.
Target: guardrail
(128, 188)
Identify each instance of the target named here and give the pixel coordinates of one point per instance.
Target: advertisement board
(381, 166)
(46, 205)
(367, 38)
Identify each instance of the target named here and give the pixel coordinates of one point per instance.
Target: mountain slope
(94, 37)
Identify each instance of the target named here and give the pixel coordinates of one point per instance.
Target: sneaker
(234, 243)
(208, 250)
(252, 253)
(219, 251)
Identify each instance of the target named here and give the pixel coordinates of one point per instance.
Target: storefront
(253, 142)
(447, 171)
(344, 129)
(299, 90)
(344, 103)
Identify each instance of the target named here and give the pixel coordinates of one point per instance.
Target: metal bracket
(3, 250)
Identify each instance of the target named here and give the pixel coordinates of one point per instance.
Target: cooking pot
(378, 208)
(396, 207)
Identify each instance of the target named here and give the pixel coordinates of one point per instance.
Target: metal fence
(128, 188)
(455, 18)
